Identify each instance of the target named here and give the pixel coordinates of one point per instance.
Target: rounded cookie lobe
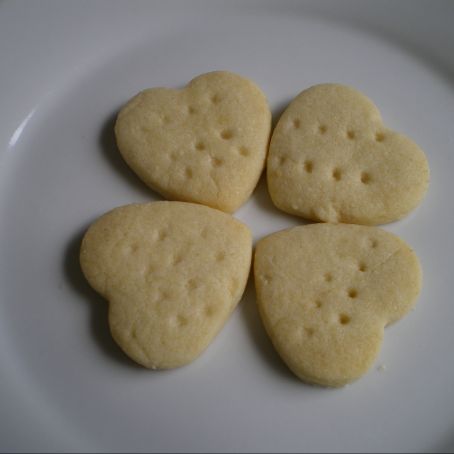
(331, 159)
(206, 143)
(325, 293)
(172, 272)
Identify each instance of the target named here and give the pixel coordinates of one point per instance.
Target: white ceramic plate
(66, 67)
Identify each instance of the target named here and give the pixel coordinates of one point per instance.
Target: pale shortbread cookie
(172, 272)
(331, 159)
(206, 143)
(325, 293)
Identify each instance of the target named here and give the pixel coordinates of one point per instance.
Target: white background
(66, 68)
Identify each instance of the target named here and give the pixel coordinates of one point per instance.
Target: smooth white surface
(66, 68)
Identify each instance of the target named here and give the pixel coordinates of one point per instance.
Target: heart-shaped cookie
(325, 293)
(331, 159)
(172, 272)
(206, 143)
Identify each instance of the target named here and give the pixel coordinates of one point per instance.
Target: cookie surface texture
(172, 272)
(331, 159)
(325, 293)
(206, 143)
